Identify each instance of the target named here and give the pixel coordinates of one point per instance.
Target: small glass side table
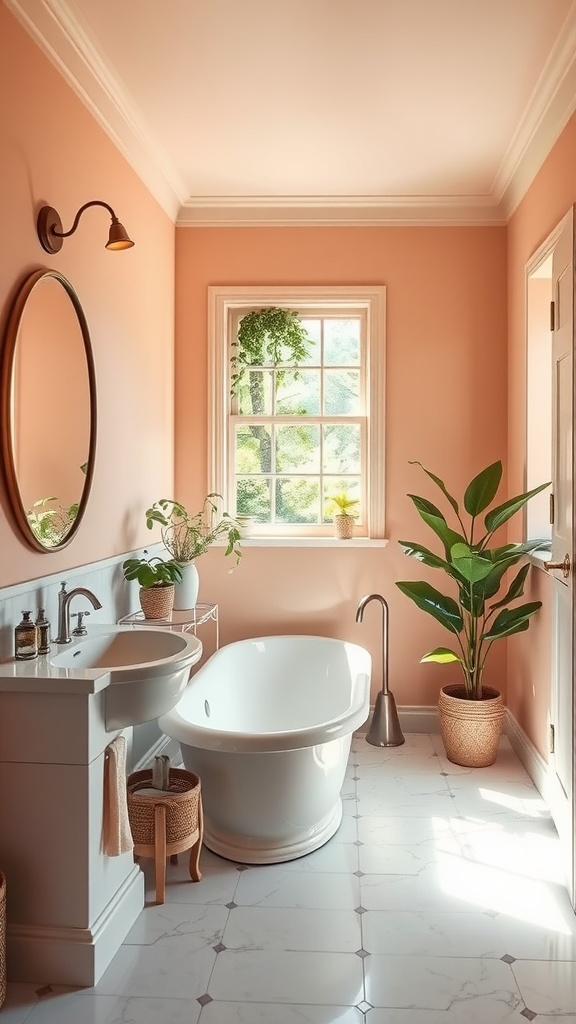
(184, 620)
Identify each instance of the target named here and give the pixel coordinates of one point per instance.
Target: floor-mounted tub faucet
(385, 728)
(64, 599)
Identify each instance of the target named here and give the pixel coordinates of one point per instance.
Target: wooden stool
(166, 824)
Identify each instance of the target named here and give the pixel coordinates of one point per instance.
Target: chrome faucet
(64, 600)
(384, 730)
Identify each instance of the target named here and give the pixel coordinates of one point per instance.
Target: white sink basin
(149, 669)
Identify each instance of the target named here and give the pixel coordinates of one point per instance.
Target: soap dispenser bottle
(25, 639)
(43, 627)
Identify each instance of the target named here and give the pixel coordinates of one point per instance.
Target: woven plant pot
(2, 937)
(470, 728)
(157, 602)
(344, 526)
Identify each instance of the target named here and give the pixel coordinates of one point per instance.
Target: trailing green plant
(186, 536)
(51, 525)
(152, 571)
(342, 503)
(271, 335)
(478, 617)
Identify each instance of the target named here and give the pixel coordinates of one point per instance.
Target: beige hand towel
(117, 834)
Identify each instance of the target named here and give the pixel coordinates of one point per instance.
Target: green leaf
(508, 621)
(516, 588)
(502, 513)
(433, 518)
(482, 488)
(469, 563)
(442, 655)
(424, 555)
(430, 600)
(439, 483)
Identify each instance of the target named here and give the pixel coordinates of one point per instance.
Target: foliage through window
(296, 416)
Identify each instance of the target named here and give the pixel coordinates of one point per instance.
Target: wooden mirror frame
(7, 414)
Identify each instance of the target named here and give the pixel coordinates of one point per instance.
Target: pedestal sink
(149, 669)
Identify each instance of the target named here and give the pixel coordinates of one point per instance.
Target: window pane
(342, 393)
(297, 500)
(314, 332)
(253, 449)
(297, 393)
(342, 342)
(341, 452)
(253, 499)
(255, 393)
(298, 448)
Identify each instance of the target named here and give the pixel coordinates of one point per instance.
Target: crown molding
(551, 105)
(338, 211)
(67, 44)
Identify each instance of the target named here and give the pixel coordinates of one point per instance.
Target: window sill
(313, 542)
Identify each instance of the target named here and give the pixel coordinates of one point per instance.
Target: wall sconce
(49, 228)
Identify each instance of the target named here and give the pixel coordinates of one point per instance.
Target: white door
(561, 565)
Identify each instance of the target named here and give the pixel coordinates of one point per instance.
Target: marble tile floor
(439, 901)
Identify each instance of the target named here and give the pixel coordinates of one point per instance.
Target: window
(290, 436)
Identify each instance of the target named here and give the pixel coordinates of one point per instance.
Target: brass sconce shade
(49, 228)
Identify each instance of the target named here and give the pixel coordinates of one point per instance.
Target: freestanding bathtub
(267, 725)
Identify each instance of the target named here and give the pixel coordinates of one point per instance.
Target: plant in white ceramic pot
(187, 536)
(478, 615)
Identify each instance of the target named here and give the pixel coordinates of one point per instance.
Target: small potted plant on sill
(157, 578)
(343, 509)
(187, 536)
(471, 713)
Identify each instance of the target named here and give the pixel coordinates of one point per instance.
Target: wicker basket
(344, 526)
(157, 602)
(2, 937)
(167, 824)
(470, 728)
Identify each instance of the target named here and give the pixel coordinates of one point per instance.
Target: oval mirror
(48, 393)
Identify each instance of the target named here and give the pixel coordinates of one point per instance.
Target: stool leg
(194, 867)
(160, 851)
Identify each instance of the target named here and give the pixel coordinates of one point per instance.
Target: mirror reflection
(48, 409)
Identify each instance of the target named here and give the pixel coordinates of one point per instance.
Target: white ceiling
(322, 111)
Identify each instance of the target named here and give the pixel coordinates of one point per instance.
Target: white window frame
(223, 302)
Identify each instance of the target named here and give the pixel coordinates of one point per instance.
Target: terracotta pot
(157, 602)
(470, 728)
(344, 526)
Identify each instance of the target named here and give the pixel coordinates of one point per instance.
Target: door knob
(565, 566)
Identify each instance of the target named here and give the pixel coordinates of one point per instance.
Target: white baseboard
(75, 956)
(537, 768)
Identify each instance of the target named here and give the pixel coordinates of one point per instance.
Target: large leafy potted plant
(471, 713)
(187, 536)
(157, 578)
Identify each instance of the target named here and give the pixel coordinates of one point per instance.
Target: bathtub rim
(356, 714)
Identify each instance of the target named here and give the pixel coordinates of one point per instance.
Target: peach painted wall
(446, 406)
(550, 196)
(53, 151)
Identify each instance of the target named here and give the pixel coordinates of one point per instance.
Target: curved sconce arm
(51, 235)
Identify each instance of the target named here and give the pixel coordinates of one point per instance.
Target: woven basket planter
(470, 728)
(344, 526)
(157, 602)
(168, 823)
(2, 937)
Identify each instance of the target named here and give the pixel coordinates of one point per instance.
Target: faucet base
(385, 728)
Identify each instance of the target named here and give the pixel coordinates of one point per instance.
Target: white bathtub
(267, 725)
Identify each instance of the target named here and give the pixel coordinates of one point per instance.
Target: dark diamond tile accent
(356, 816)
(364, 1006)
(44, 991)
(507, 959)
(231, 906)
(355, 778)
(204, 1000)
(357, 842)
(359, 874)
(242, 867)
(219, 948)
(444, 774)
(360, 910)
(529, 1014)
(362, 953)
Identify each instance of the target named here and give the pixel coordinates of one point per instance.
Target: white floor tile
(273, 1013)
(174, 968)
(19, 1003)
(78, 1008)
(335, 931)
(470, 1010)
(436, 983)
(547, 987)
(278, 887)
(291, 977)
(203, 925)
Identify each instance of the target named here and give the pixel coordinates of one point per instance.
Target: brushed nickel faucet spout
(385, 728)
(64, 601)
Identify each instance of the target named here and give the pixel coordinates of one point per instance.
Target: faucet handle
(80, 629)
